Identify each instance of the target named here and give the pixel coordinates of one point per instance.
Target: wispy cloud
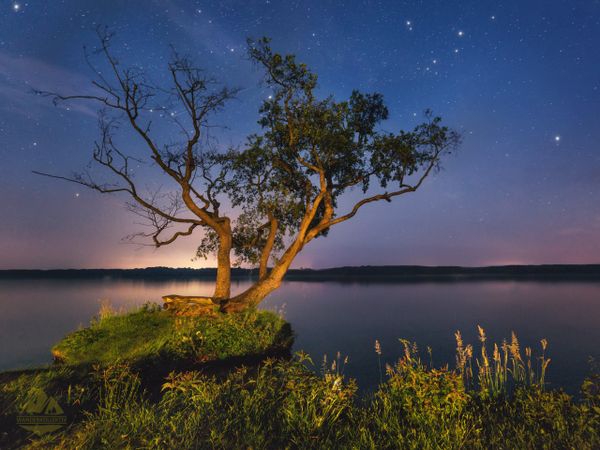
(201, 29)
(20, 75)
(227, 49)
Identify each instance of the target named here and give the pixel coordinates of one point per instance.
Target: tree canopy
(284, 184)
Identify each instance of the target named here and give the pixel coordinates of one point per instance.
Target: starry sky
(519, 79)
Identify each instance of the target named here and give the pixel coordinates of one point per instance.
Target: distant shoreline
(548, 272)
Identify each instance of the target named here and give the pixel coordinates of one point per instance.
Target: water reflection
(330, 317)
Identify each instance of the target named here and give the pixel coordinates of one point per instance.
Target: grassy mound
(151, 334)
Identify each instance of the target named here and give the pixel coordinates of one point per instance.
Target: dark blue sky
(519, 79)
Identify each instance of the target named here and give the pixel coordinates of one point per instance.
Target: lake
(328, 317)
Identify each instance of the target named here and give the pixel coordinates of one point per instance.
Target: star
(76, 194)
(557, 138)
(461, 33)
(16, 7)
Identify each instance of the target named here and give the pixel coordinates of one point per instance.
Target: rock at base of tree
(190, 305)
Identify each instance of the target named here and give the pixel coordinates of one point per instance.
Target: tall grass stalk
(503, 370)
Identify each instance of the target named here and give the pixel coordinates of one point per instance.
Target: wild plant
(504, 369)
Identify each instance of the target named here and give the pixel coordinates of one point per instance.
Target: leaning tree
(126, 95)
(283, 185)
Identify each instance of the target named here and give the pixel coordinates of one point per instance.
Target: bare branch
(105, 189)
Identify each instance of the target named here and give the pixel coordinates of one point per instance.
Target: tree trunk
(223, 282)
(191, 304)
(257, 292)
(268, 247)
(252, 296)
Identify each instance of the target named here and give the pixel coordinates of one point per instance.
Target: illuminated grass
(495, 400)
(151, 334)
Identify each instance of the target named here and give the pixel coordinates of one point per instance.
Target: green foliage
(68, 386)
(149, 333)
(285, 404)
(501, 403)
(279, 405)
(230, 335)
(72, 388)
(418, 407)
(309, 152)
(532, 418)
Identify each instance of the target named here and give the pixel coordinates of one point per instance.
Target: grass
(151, 334)
(495, 397)
(149, 341)
(285, 405)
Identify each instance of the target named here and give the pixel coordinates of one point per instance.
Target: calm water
(347, 317)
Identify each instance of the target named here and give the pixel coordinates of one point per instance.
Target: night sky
(519, 79)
